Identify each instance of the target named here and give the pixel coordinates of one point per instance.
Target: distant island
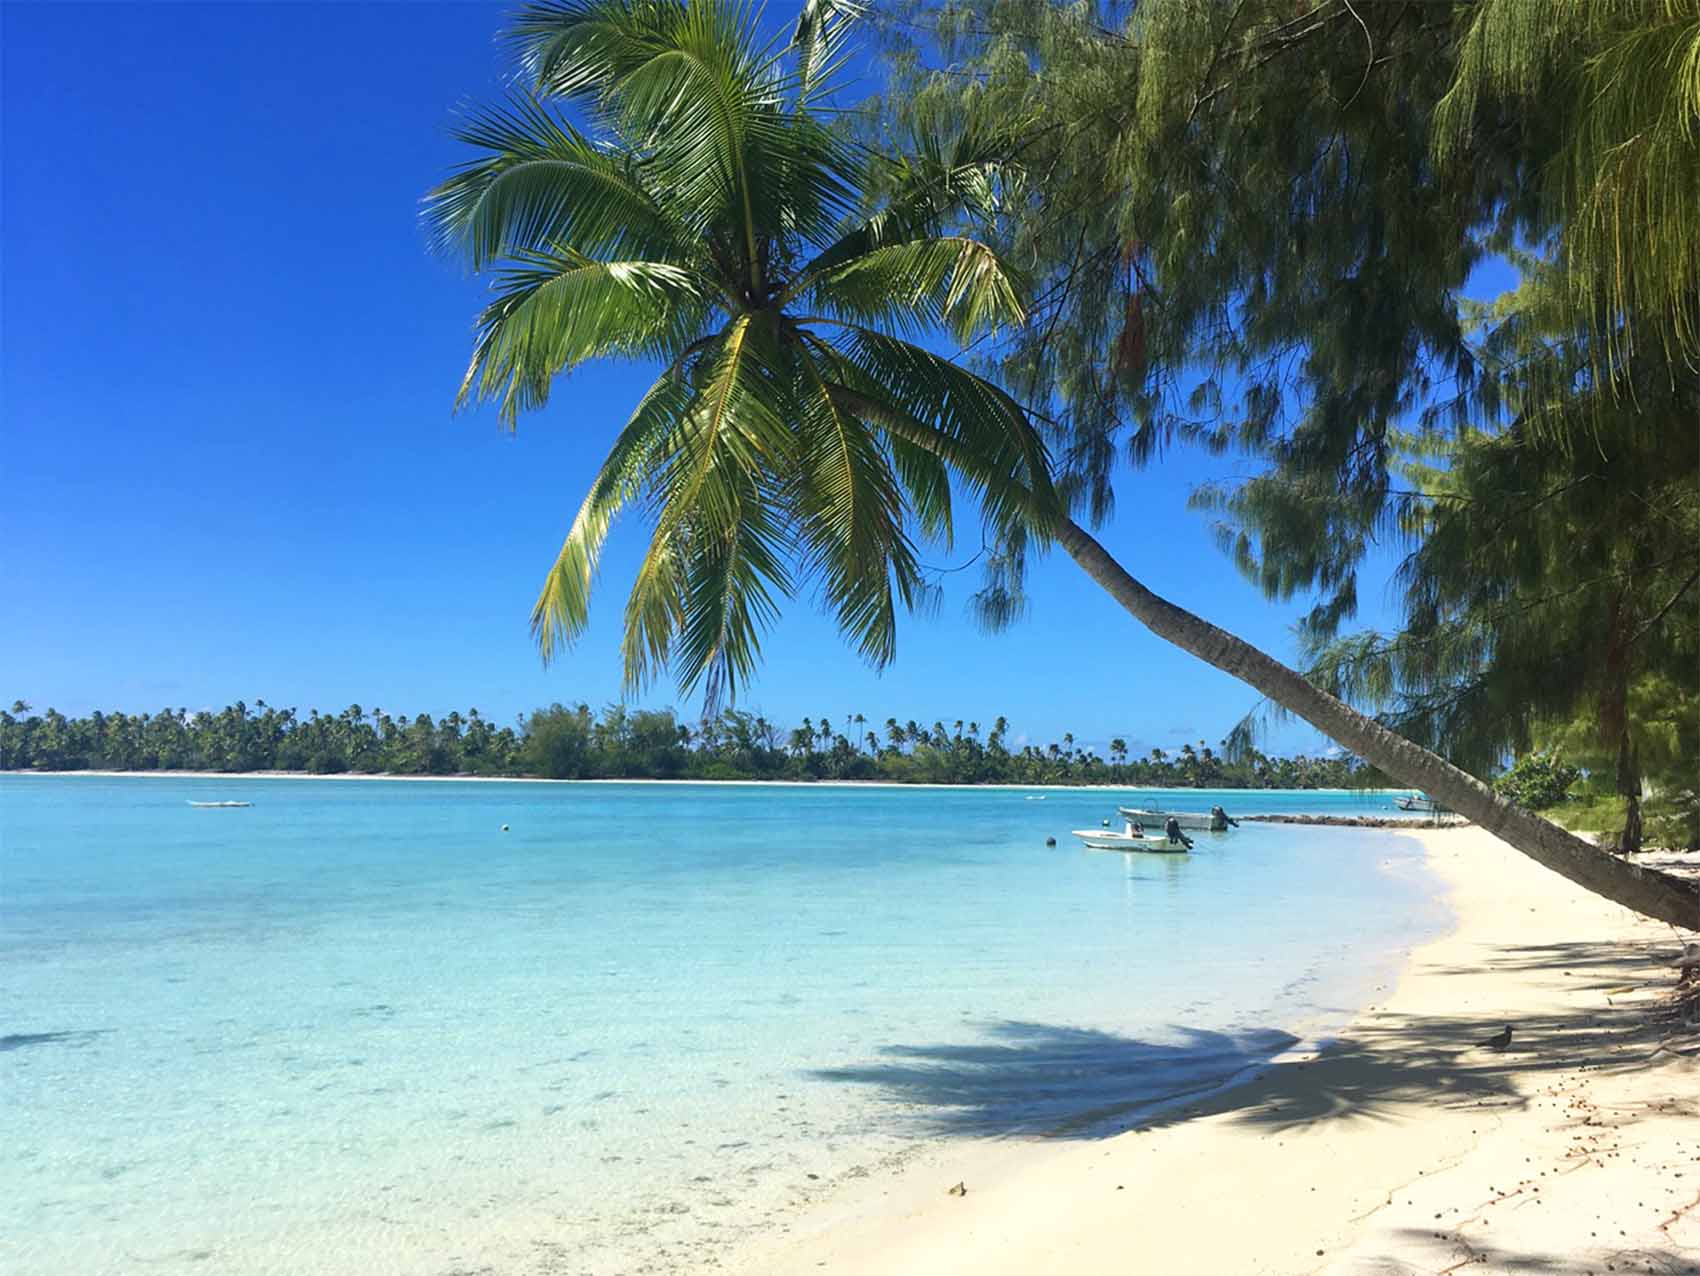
(577, 743)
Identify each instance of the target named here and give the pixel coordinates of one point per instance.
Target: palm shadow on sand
(1035, 1078)
(1052, 1080)
(1481, 1252)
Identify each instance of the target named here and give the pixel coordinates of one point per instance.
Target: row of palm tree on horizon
(560, 741)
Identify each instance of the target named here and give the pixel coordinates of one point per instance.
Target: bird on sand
(1688, 964)
(1500, 1040)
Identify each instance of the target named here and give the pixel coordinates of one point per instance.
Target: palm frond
(968, 421)
(555, 311)
(819, 38)
(938, 175)
(732, 577)
(851, 520)
(926, 484)
(573, 49)
(718, 556)
(537, 185)
(689, 89)
(563, 606)
(950, 281)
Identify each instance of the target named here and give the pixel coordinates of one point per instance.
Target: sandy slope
(1404, 1148)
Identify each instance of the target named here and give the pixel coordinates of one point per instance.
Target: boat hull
(1152, 818)
(1104, 840)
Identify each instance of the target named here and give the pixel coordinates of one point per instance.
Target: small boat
(1129, 839)
(1421, 803)
(1216, 820)
(220, 805)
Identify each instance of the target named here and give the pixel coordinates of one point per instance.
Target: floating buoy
(1050, 841)
(504, 828)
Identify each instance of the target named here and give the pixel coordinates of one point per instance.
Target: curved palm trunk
(1647, 891)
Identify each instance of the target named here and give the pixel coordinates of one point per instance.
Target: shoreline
(1399, 1147)
(1392, 823)
(538, 779)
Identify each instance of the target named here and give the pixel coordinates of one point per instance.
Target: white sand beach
(1404, 1148)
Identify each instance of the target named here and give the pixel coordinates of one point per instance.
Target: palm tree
(1647, 891)
(794, 434)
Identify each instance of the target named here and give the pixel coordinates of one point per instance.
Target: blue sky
(230, 462)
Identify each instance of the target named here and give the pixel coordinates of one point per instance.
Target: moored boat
(1130, 838)
(1216, 820)
(220, 804)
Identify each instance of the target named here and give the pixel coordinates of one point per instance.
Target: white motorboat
(219, 805)
(1216, 820)
(1422, 804)
(1130, 839)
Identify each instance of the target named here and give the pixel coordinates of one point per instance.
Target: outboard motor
(1172, 830)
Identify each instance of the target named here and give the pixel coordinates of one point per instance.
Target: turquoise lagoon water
(357, 1028)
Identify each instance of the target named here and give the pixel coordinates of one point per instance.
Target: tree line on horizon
(578, 743)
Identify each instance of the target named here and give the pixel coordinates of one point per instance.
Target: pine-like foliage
(1550, 589)
(1252, 225)
(1619, 84)
(1237, 234)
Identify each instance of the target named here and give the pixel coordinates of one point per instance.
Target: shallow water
(357, 1028)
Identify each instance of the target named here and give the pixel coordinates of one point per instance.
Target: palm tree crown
(799, 432)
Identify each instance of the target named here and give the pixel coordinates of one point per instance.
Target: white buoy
(504, 828)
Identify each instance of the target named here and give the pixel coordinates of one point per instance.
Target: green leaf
(540, 186)
(555, 311)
